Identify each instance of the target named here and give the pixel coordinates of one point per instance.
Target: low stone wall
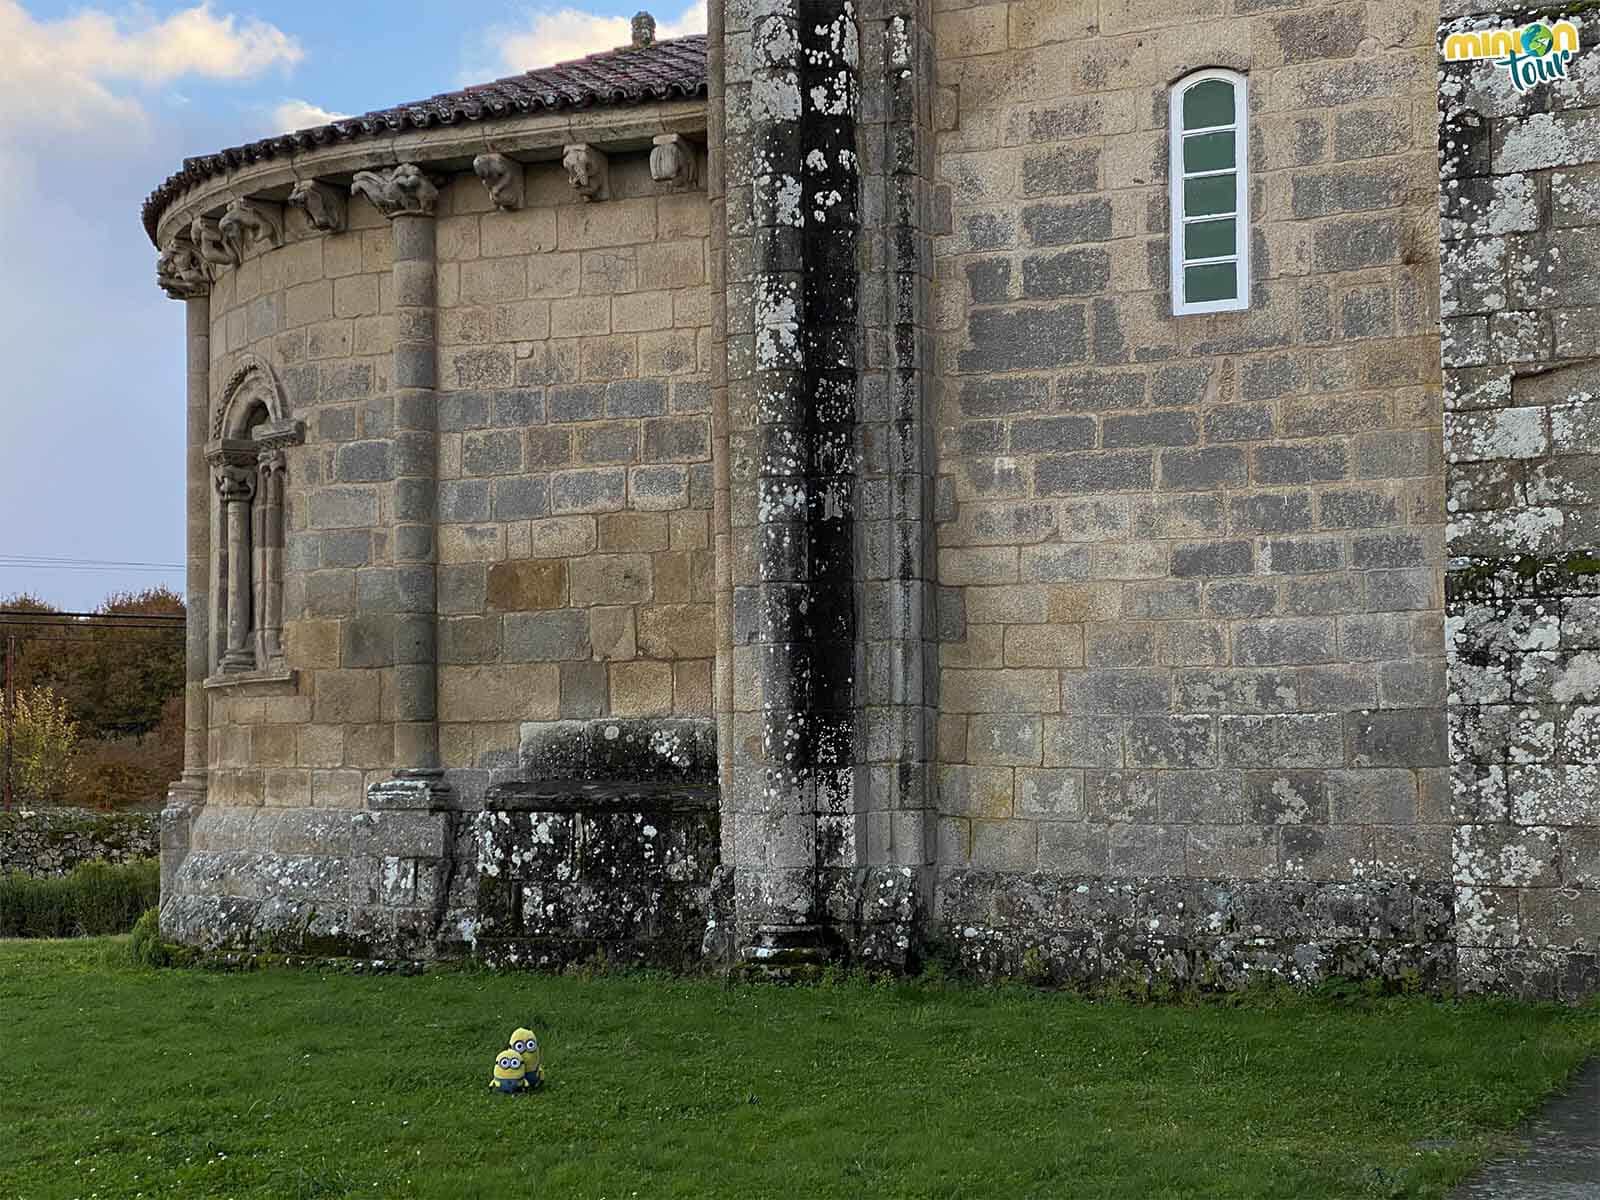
(51, 841)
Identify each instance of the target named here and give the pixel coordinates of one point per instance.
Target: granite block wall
(573, 546)
(575, 566)
(318, 310)
(1018, 614)
(1191, 664)
(1520, 216)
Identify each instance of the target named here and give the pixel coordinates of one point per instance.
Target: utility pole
(11, 707)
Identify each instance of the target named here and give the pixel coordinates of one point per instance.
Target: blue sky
(99, 103)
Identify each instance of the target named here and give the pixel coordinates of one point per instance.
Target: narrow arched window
(1210, 193)
(250, 435)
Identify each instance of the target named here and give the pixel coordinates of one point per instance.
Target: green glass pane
(1212, 195)
(1208, 152)
(1209, 239)
(1209, 103)
(1219, 281)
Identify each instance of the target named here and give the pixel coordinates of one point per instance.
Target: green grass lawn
(116, 1082)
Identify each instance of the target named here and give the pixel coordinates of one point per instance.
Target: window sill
(275, 676)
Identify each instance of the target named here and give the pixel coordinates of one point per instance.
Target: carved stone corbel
(672, 160)
(400, 192)
(206, 233)
(180, 272)
(323, 204)
(248, 221)
(503, 177)
(587, 169)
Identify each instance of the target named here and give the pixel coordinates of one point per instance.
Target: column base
(235, 661)
(412, 788)
(186, 796)
(188, 790)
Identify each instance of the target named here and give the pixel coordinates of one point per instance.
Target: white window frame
(1179, 221)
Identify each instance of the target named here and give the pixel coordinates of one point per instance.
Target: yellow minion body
(526, 1043)
(509, 1073)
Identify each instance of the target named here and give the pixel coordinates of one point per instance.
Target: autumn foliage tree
(122, 687)
(44, 745)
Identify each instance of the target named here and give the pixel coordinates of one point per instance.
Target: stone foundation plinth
(1215, 933)
(570, 869)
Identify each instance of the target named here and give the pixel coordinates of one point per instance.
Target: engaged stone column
(1518, 232)
(236, 483)
(895, 546)
(792, 366)
(407, 197)
(182, 275)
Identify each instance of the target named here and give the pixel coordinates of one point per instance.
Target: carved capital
(272, 462)
(250, 221)
(403, 191)
(234, 483)
(587, 170)
(672, 160)
(323, 204)
(206, 234)
(180, 271)
(504, 179)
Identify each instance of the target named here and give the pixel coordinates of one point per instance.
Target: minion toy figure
(510, 1076)
(526, 1044)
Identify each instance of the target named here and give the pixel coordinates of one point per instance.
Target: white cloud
(292, 115)
(75, 72)
(552, 35)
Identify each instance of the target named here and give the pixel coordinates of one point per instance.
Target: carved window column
(270, 470)
(236, 484)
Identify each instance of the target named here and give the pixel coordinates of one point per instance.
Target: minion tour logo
(1532, 55)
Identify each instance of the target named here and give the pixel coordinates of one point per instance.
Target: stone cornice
(642, 75)
(445, 150)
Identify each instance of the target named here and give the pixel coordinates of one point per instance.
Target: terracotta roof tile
(669, 70)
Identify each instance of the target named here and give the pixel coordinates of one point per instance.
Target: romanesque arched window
(250, 434)
(1210, 124)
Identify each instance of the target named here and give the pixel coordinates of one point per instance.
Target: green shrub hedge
(96, 898)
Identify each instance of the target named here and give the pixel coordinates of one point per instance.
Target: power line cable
(92, 562)
(47, 615)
